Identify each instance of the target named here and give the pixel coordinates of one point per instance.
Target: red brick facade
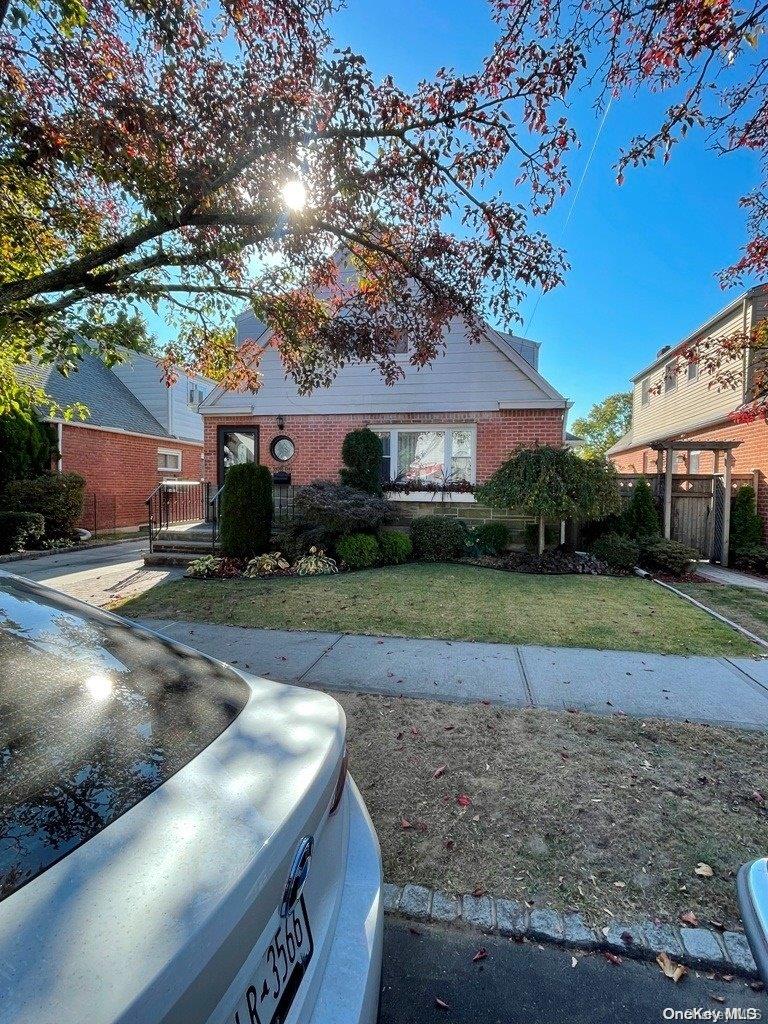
(318, 439)
(750, 456)
(120, 471)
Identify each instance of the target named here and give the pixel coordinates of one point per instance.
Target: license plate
(268, 998)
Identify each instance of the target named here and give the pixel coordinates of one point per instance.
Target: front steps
(180, 544)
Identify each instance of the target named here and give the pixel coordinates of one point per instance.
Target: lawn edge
(700, 948)
(715, 615)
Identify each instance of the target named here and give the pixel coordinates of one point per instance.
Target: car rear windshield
(94, 716)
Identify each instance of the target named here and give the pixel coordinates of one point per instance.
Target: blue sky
(644, 256)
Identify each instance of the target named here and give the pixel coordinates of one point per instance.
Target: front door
(236, 445)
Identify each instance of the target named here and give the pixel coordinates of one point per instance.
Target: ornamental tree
(193, 158)
(552, 483)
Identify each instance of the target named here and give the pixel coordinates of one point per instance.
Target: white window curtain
(432, 455)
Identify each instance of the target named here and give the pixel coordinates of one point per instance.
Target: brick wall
(751, 455)
(318, 439)
(120, 471)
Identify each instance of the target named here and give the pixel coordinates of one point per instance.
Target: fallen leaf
(449, 844)
(717, 999)
(481, 954)
(441, 1004)
(440, 770)
(463, 800)
(757, 986)
(612, 958)
(670, 969)
(758, 797)
(689, 918)
(717, 924)
(414, 931)
(478, 892)
(703, 870)
(404, 823)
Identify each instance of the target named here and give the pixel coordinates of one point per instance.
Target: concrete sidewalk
(719, 691)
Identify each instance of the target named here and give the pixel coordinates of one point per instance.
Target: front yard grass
(610, 816)
(744, 605)
(454, 602)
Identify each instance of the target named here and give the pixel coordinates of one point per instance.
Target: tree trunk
(541, 535)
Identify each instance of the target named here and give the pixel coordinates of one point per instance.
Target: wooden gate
(697, 506)
(692, 512)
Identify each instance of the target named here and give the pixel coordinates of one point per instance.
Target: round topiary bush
(359, 550)
(362, 453)
(438, 538)
(618, 552)
(395, 547)
(245, 511)
(493, 536)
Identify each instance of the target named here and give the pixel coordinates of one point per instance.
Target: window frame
(693, 377)
(448, 428)
(176, 452)
(645, 391)
(670, 378)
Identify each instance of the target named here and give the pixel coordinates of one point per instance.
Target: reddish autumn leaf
(463, 800)
(439, 771)
(478, 892)
(612, 958)
(481, 954)
(404, 823)
(689, 918)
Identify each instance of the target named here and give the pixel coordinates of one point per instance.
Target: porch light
(294, 195)
(281, 422)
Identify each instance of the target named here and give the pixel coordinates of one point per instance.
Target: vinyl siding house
(444, 427)
(688, 406)
(138, 432)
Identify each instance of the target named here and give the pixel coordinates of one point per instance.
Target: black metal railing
(175, 502)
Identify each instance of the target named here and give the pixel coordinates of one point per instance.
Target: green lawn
(457, 603)
(744, 605)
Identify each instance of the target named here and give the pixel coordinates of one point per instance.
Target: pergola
(668, 447)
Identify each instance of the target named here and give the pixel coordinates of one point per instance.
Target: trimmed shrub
(338, 510)
(667, 556)
(438, 538)
(245, 511)
(359, 550)
(746, 521)
(57, 497)
(494, 537)
(395, 547)
(618, 552)
(17, 529)
(361, 453)
(27, 447)
(641, 517)
(753, 559)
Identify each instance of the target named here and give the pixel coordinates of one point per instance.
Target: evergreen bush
(27, 447)
(57, 497)
(641, 518)
(362, 453)
(621, 553)
(245, 511)
(395, 547)
(438, 538)
(18, 529)
(746, 521)
(493, 536)
(359, 550)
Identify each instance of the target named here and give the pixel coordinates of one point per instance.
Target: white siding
(693, 402)
(474, 377)
(170, 406)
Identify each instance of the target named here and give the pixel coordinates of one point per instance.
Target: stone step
(159, 558)
(201, 546)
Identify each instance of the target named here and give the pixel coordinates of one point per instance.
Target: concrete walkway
(719, 691)
(732, 577)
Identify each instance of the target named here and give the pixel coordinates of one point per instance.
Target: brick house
(138, 433)
(673, 403)
(444, 427)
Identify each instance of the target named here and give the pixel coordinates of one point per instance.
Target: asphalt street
(531, 984)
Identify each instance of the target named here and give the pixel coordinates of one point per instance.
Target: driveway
(97, 575)
(718, 691)
(531, 984)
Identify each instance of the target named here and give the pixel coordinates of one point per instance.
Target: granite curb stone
(700, 948)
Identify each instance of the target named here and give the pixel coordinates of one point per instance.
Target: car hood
(114, 930)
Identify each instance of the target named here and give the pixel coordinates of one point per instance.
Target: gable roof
(109, 401)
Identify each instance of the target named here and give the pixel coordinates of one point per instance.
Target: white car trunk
(166, 913)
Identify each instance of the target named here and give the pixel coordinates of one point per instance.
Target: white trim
(119, 430)
(245, 410)
(437, 497)
(447, 428)
(544, 404)
(177, 453)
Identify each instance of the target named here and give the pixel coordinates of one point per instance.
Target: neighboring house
(137, 433)
(686, 405)
(444, 427)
